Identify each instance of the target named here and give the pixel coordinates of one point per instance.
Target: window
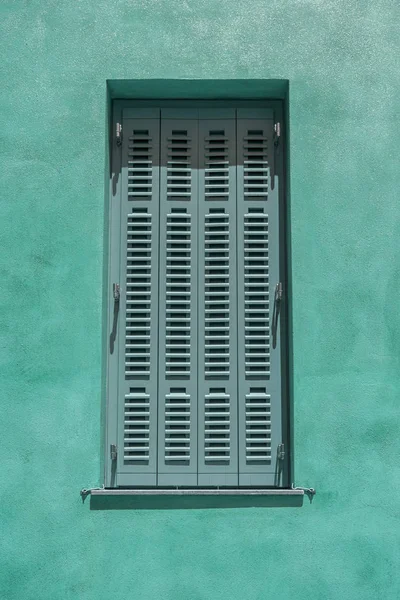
(196, 386)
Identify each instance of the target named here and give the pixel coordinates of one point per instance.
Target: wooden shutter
(177, 409)
(195, 371)
(259, 366)
(217, 325)
(138, 308)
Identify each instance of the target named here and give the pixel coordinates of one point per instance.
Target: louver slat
(138, 294)
(258, 427)
(255, 165)
(177, 410)
(217, 421)
(260, 411)
(256, 294)
(218, 452)
(138, 314)
(137, 427)
(179, 155)
(140, 165)
(177, 427)
(217, 294)
(178, 294)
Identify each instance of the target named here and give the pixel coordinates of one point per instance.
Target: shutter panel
(199, 399)
(217, 328)
(138, 314)
(177, 417)
(258, 272)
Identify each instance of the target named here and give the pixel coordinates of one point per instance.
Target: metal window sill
(197, 492)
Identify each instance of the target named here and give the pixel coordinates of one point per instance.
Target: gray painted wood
(259, 366)
(138, 307)
(217, 323)
(177, 407)
(174, 219)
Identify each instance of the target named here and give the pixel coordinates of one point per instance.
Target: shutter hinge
(118, 134)
(281, 451)
(277, 133)
(113, 452)
(116, 292)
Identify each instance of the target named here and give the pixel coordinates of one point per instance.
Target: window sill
(163, 498)
(196, 492)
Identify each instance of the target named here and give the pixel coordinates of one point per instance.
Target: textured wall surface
(341, 57)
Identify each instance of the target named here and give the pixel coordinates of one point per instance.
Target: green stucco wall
(341, 58)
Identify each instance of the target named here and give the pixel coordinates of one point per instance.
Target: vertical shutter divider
(158, 299)
(238, 258)
(199, 225)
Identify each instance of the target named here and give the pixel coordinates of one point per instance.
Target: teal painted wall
(341, 58)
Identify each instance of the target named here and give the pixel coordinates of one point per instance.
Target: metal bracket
(277, 133)
(85, 492)
(118, 134)
(309, 491)
(116, 292)
(113, 452)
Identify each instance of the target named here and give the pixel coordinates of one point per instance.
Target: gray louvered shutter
(138, 310)
(177, 409)
(217, 325)
(260, 426)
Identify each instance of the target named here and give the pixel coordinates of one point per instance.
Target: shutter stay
(118, 134)
(116, 292)
(281, 451)
(278, 292)
(275, 314)
(277, 133)
(113, 452)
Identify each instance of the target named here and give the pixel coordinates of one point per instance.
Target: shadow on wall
(192, 502)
